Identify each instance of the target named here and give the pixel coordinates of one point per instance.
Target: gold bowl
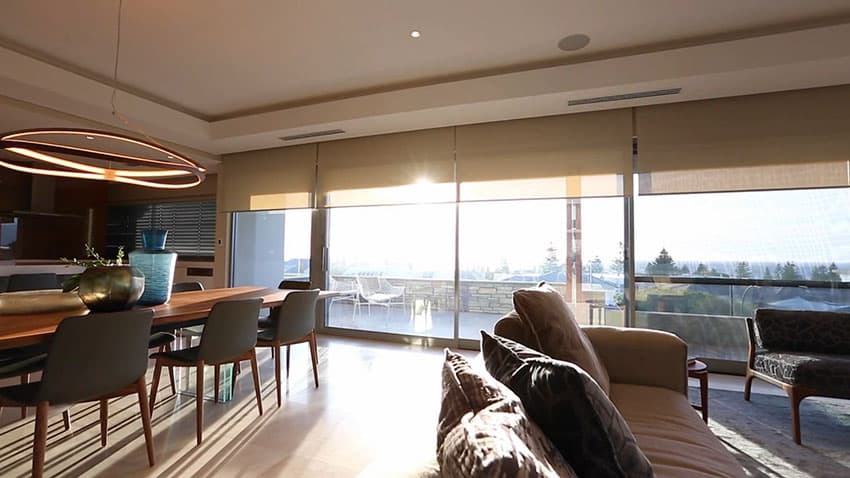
(39, 301)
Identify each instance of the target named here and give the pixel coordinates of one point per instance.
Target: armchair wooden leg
(104, 417)
(255, 372)
(39, 439)
(277, 373)
(748, 385)
(157, 371)
(146, 417)
(796, 397)
(217, 377)
(314, 355)
(199, 401)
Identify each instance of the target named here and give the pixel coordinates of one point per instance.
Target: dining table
(182, 310)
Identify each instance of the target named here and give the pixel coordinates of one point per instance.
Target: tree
(702, 270)
(743, 270)
(550, 262)
(790, 272)
(826, 274)
(767, 274)
(685, 270)
(618, 265)
(663, 265)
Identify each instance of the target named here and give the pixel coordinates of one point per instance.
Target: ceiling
(222, 76)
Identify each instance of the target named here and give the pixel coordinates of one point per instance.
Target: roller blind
(400, 168)
(280, 178)
(572, 155)
(794, 127)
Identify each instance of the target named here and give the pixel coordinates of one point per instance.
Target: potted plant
(107, 285)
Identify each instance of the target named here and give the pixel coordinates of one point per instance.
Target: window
(271, 246)
(190, 225)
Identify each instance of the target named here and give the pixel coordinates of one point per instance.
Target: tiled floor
(374, 414)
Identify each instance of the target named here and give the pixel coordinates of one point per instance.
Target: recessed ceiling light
(415, 34)
(89, 137)
(574, 42)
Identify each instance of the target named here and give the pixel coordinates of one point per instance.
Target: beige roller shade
(280, 178)
(399, 168)
(572, 155)
(792, 127)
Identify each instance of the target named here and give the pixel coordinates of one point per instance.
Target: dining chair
(24, 282)
(76, 349)
(186, 287)
(295, 323)
(229, 336)
(21, 363)
(269, 321)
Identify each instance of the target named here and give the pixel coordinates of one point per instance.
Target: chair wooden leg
(66, 419)
(39, 439)
(104, 417)
(25, 378)
(157, 371)
(167, 348)
(273, 352)
(314, 355)
(255, 372)
(748, 385)
(217, 375)
(796, 397)
(287, 363)
(277, 373)
(199, 402)
(141, 391)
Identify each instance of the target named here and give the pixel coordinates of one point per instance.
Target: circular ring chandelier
(100, 155)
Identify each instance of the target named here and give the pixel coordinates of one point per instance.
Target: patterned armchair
(807, 353)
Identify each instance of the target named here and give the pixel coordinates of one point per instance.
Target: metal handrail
(742, 282)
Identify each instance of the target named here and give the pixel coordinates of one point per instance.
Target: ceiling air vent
(312, 134)
(625, 96)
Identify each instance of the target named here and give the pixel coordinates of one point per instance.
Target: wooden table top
(28, 329)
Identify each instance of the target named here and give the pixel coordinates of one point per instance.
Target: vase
(157, 264)
(111, 288)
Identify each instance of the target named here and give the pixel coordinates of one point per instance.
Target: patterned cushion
(494, 440)
(570, 408)
(828, 374)
(558, 335)
(803, 331)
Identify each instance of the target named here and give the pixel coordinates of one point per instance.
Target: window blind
(575, 155)
(190, 225)
(269, 179)
(763, 141)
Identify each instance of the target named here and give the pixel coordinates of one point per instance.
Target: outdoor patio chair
(378, 291)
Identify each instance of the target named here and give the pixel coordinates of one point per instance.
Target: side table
(699, 370)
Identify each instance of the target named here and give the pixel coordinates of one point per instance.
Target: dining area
(120, 375)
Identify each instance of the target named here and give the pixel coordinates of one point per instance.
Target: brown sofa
(648, 373)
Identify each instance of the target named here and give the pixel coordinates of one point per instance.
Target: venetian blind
(573, 155)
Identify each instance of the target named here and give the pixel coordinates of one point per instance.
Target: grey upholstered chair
(294, 323)
(186, 287)
(76, 349)
(270, 322)
(23, 282)
(229, 336)
(21, 363)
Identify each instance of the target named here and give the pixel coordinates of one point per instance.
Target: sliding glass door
(271, 246)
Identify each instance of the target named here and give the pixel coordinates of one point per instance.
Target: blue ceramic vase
(157, 264)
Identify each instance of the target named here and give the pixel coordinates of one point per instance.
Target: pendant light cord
(117, 52)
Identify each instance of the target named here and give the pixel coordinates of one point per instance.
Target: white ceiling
(222, 76)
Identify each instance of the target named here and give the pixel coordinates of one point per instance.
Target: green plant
(93, 259)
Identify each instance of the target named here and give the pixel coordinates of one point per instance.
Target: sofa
(648, 374)
(611, 402)
(807, 353)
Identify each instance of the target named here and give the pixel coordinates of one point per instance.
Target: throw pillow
(497, 439)
(570, 408)
(554, 328)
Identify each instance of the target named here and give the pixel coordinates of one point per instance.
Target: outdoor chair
(229, 336)
(78, 348)
(806, 353)
(295, 323)
(348, 293)
(378, 291)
